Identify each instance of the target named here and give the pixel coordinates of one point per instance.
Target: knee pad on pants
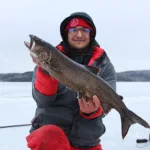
(48, 137)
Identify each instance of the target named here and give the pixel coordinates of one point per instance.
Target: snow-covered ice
(18, 107)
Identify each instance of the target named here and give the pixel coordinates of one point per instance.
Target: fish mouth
(30, 45)
(35, 47)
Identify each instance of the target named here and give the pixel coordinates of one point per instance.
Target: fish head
(39, 49)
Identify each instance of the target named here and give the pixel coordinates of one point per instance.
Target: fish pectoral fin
(93, 69)
(79, 95)
(83, 95)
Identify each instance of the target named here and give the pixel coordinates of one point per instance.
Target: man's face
(79, 37)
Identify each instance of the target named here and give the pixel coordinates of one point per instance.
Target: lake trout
(81, 79)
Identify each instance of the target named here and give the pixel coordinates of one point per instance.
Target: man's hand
(88, 106)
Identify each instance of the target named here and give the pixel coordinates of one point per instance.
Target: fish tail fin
(129, 119)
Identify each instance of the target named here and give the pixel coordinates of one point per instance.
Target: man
(62, 121)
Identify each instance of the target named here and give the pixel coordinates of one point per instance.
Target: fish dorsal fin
(93, 69)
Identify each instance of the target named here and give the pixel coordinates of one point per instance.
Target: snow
(17, 107)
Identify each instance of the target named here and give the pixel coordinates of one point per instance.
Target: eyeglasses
(84, 31)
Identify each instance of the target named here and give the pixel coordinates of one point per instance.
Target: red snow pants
(51, 137)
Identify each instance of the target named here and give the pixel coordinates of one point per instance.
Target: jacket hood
(73, 53)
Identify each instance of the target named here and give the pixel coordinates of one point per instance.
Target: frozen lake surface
(17, 107)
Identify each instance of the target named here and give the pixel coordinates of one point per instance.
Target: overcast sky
(123, 29)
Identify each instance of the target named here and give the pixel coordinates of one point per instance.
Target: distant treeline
(126, 76)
